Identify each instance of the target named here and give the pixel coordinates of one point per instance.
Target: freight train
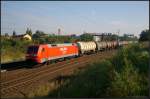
(44, 53)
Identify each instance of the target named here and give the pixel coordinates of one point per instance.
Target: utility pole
(118, 33)
(59, 31)
(118, 59)
(118, 37)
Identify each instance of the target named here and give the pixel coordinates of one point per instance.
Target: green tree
(29, 31)
(14, 33)
(126, 83)
(113, 37)
(145, 35)
(6, 35)
(86, 37)
(38, 34)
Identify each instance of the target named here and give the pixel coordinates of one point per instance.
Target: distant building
(23, 36)
(27, 36)
(73, 35)
(70, 35)
(99, 36)
(6, 36)
(44, 35)
(129, 35)
(96, 38)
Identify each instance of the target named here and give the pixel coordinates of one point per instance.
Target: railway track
(26, 72)
(28, 77)
(23, 72)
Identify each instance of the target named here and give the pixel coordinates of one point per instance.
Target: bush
(9, 46)
(131, 69)
(126, 83)
(91, 82)
(136, 55)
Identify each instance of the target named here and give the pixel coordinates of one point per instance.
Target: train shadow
(17, 65)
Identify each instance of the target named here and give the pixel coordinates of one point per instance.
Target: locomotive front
(32, 53)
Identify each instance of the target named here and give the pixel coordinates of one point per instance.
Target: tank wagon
(115, 44)
(109, 45)
(86, 47)
(120, 43)
(101, 45)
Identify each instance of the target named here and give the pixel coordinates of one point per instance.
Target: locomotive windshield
(32, 49)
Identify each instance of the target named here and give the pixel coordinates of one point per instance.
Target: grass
(41, 90)
(11, 55)
(13, 49)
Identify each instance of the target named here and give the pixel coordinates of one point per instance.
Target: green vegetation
(13, 49)
(114, 37)
(29, 31)
(122, 76)
(41, 38)
(86, 37)
(125, 37)
(91, 82)
(131, 72)
(40, 91)
(145, 35)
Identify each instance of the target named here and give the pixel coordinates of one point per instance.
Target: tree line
(41, 37)
(11, 44)
(145, 35)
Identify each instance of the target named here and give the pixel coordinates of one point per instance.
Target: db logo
(64, 49)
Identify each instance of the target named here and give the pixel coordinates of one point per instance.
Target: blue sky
(74, 17)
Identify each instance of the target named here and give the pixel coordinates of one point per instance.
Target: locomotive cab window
(32, 49)
(43, 49)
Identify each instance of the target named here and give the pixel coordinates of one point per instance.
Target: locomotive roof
(59, 45)
(54, 45)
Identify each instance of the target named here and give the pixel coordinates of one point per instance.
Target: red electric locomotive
(46, 52)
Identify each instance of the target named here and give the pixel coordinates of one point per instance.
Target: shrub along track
(15, 82)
